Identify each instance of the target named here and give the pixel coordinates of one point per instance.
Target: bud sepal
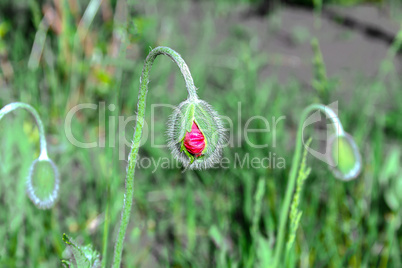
(196, 134)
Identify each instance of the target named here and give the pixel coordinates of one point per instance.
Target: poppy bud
(344, 156)
(194, 141)
(43, 183)
(43, 179)
(196, 134)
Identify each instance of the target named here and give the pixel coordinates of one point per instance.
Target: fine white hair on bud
(196, 134)
(43, 183)
(344, 157)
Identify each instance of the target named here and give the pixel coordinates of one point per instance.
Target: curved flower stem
(17, 105)
(293, 172)
(128, 197)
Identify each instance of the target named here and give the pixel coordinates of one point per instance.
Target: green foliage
(333, 2)
(391, 181)
(179, 216)
(321, 83)
(82, 256)
(295, 214)
(258, 199)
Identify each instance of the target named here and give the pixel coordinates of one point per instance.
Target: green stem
(106, 231)
(293, 172)
(128, 197)
(17, 105)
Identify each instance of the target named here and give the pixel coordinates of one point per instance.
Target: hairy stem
(128, 196)
(17, 105)
(293, 172)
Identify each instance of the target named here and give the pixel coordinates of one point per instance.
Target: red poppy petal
(194, 141)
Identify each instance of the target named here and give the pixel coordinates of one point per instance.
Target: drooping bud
(43, 183)
(344, 156)
(196, 134)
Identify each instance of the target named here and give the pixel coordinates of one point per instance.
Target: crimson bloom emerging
(196, 134)
(194, 141)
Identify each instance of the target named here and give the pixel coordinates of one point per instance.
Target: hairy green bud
(43, 183)
(344, 157)
(196, 134)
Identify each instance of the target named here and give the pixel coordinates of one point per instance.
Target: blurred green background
(253, 54)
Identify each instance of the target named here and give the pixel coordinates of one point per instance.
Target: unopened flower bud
(194, 141)
(344, 157)
(196, 134)
(43, 183)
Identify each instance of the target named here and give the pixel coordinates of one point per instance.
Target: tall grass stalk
(293, 174)
(295, 214)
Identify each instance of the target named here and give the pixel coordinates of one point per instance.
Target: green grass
(195, 218)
